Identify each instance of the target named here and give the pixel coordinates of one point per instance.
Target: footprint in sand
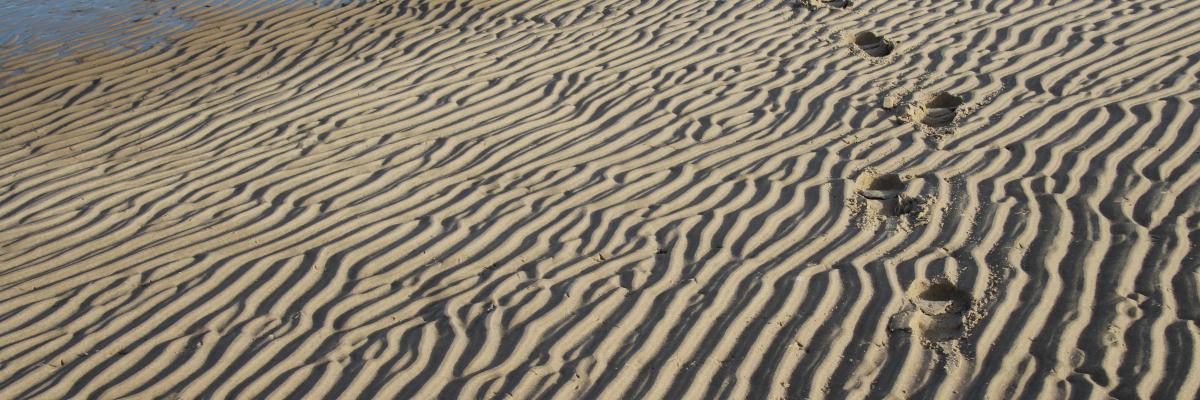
(871, 44)
(836, 3)
(882, 193)
(826, 3)
(938, 309)
(939, 111)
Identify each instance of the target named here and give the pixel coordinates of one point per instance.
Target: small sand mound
(939, 308)
(939, 111)
(873, 45)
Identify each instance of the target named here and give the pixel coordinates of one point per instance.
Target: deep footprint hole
(869, 182)
(940, 110)
(836, 3)
(939, 309)
(941, 290)
(883, 193)
(872, 44)
(944, 100)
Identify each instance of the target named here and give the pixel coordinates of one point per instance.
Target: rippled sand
(607, 199)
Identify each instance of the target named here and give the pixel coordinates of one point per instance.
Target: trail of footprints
(935, 310)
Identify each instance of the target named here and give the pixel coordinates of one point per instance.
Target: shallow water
(26, 25)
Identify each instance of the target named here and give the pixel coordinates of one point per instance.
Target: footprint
(827, 3)
(836, 3)
(939, 111)
(873, 45)
(882, 193)
(938, 311)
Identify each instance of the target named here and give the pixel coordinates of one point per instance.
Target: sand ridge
(609, 199)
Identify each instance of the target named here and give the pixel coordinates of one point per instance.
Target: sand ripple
(609, 199)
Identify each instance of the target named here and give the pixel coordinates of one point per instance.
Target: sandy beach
(608, 199)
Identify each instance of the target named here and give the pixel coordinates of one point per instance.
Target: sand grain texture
(609, 199)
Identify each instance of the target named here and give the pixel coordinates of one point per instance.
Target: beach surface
(611, 199)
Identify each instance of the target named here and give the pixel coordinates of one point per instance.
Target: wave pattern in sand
(611, 198)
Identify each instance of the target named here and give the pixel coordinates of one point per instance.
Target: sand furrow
(608, 198)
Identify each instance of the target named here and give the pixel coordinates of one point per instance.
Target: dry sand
(609, 199)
